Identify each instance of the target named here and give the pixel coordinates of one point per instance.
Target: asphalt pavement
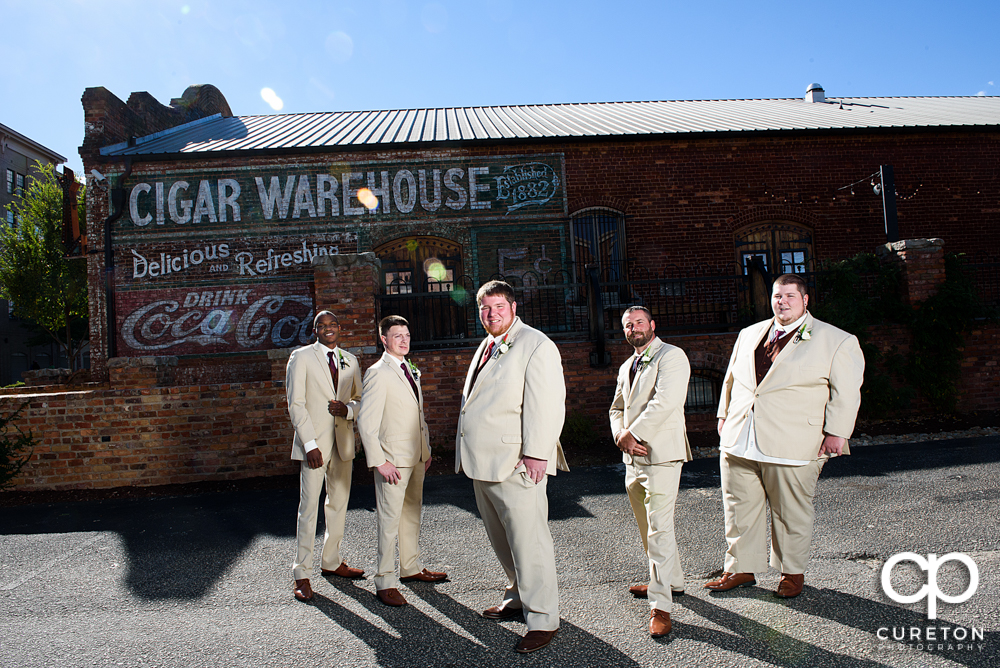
(205, 580)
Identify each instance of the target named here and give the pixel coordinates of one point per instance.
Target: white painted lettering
(133, 205)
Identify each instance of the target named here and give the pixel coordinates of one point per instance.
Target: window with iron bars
(599, 239)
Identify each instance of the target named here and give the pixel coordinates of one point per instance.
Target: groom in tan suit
(789, 402)
(513, 407)
(323, 385)
(647, 420)
(394, 434)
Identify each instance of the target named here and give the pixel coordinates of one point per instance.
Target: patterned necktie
(410, 378)
(486, 355)
(632, 371)
(334, 370)
(771, 349)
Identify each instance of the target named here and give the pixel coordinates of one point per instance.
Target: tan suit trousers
(398, 515)
(748, 487)
(652, 491)
(515, 513)
(337, 474)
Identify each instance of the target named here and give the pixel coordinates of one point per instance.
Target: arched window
(776, 247)
(599, 239)
(423, 281)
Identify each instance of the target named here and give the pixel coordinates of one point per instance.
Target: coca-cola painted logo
(219, 320)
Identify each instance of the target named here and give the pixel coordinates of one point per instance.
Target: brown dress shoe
(502, 612)
(345, 571)
(659, 623)
(534, 641)
(642, 591)
(391, 597)
(731, 581)
(303, 590)
(425, 576)
(790, 586)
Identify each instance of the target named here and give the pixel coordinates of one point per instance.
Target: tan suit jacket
(516, 408)
(653, 408)
(391, 419)
(813, 388)
(309, 390)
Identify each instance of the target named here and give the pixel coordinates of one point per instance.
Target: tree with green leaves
(48, 290)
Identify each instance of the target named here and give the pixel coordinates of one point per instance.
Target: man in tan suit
(394, 434)
(647, 420)
(324, 443)
(789, 401)
(513, 408)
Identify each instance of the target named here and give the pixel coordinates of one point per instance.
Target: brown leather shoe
(502, 612)
(790, 586)
(642, 591)
(303, 590)
(659, 623)
(344, 571)
(425, 576)
(534, 641)
(639, 591)
(731, 581)
(391, 597)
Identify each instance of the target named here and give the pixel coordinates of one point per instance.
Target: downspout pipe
(117, 209)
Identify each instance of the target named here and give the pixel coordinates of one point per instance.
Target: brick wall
(164, 435)
(683, 198)
(154, 435)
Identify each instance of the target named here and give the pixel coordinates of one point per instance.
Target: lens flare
(272, 99)
(434, 269)
(368, 198)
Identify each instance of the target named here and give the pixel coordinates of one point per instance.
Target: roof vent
(815, 93)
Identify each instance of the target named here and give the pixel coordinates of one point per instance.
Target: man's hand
(427, 464)
(628, 444)
(338, 408)
(722, 421)
(314, 458)
(832, 445)
(535, 468)
(389, 473)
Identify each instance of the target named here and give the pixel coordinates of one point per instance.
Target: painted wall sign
(233, 319)
(204, 258)
(177, 261)
(484, 187)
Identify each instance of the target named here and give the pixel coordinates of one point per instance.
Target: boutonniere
(342, 360)
(504, 346)
(647, 357)
(414, 371)
(803, 334)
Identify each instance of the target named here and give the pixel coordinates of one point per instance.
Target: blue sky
(390, 54)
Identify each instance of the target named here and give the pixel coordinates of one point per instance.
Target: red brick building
(213, 237)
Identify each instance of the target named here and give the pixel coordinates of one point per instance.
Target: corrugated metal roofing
(344, 129)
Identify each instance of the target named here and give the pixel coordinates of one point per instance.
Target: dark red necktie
(334, 369)
(632, 371)
(410, 378)
(482, 363)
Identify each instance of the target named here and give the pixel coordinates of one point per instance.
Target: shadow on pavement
(423, 641)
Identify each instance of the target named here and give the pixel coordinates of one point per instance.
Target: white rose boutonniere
(503, 347)
(414, 371)
(341, 360)
(647, 357)
(803, 334)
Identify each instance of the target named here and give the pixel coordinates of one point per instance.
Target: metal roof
(400, 127)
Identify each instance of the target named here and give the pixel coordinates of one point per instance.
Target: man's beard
(639, 339)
